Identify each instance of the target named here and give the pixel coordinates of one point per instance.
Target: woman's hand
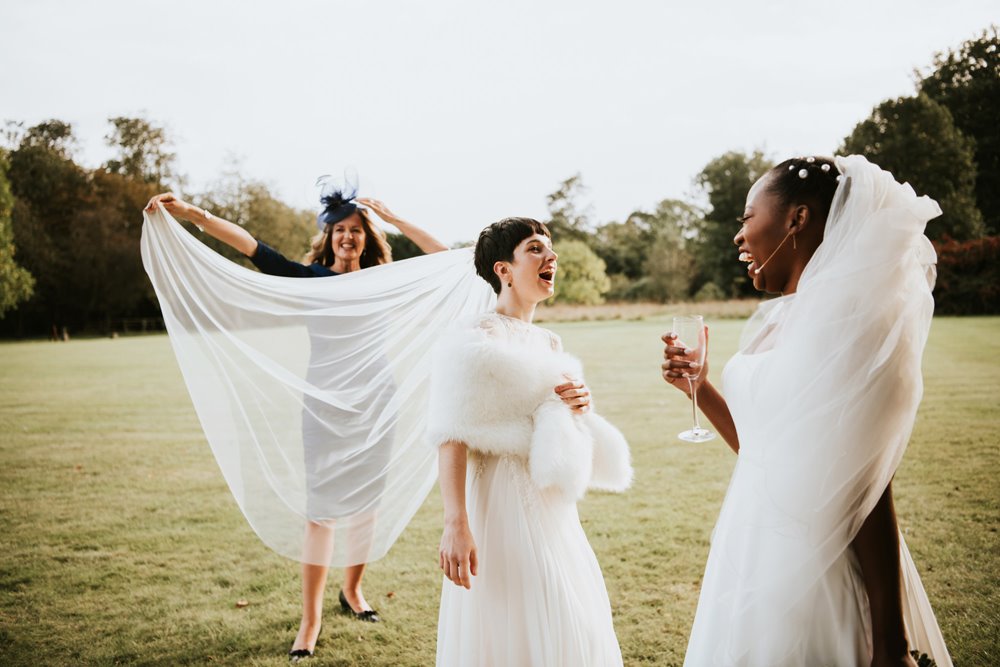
(575, 394)
(380, 210)
(457, 554)
(229, 233)
(679, 363)
(174, 205)
(424, 241)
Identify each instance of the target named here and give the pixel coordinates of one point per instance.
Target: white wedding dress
(823, 394)
(539, 599)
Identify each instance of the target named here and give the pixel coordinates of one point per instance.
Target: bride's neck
(509, 305)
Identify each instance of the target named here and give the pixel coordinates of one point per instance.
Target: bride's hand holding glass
(686, 359)
(680, 363)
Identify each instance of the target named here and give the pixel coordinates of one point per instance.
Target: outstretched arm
(457, 554)
(229, 233)
(421, 237)
(676, 363)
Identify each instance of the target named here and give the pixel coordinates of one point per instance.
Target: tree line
(69, 235)
(944, 140)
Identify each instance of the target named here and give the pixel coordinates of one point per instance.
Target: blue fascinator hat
(337, 197)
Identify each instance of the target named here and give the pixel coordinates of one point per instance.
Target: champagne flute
(690, 332)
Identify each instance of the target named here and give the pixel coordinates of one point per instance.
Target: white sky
(459, 113)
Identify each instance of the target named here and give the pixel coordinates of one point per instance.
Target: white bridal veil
(312, 392)
(830, 408)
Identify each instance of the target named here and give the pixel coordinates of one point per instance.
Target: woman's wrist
(457, 519)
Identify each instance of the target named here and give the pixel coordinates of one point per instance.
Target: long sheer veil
(312, 392)
(834, 403)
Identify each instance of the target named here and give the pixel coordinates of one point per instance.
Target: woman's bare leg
(877, 548)
(352, 587)
(318, 547)
(360, 535)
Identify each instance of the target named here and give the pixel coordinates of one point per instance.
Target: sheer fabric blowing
(824, 392)
(312, 392)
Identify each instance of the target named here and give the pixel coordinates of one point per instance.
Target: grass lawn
(122, 545)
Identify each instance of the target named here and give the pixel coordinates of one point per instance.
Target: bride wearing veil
(312, 393)
(807, 566)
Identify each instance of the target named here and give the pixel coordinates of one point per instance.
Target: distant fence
(135, 325)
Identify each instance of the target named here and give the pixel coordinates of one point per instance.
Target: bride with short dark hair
(519, 445)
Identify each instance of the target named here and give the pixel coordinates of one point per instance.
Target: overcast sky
(459, 113)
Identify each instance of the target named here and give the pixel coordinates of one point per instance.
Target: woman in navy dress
(347, 241)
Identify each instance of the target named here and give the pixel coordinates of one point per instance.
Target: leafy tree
(16, 284)
(966, 81)
(402, 246)
(142, 150)
(725, 182)
(250, 203)
(49, 190)
(916, 139)
(968, 279)
(623, 246)
(649, 255)
(111, 283)
(52, 135)
(78, 234)
(670, 265)
(669, 269)
(567, 220)
(581, 277)
(709, 292)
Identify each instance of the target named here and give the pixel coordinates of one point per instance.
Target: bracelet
(208, 216)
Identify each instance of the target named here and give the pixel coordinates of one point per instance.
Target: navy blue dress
(341, 448)
(270, 261)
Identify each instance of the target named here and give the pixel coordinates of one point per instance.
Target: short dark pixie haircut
(497, 242)
(805, 180)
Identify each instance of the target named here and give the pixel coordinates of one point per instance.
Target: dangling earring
(510, 284)
(794, 247)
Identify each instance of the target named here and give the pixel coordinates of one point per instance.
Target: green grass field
(122, 545)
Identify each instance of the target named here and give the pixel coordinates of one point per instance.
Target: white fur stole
(497, 397)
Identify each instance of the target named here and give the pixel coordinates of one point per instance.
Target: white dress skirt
(834, 628)
(539, 599)
(782, 586)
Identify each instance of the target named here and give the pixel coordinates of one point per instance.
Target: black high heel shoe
(369, 615)
(300, 654)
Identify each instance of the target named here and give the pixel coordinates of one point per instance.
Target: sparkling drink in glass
(690, 332)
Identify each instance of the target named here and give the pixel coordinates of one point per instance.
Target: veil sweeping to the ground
(312, 392)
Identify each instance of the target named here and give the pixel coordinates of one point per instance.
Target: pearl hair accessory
(803, 172)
